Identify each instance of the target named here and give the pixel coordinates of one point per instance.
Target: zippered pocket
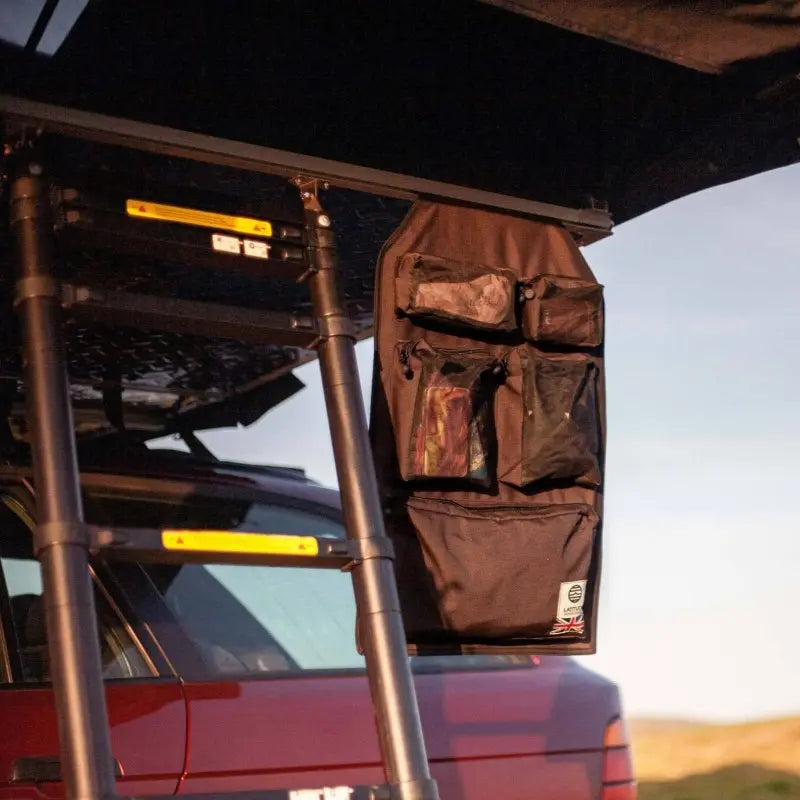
(547, 418)
(507, 571)
(561, 420)
(452, 434)
(562, 311)
(449, 291)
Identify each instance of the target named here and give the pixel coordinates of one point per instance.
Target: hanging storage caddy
(488, 429)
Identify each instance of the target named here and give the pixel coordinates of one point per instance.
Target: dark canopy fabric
(458, 91)
(708, 35)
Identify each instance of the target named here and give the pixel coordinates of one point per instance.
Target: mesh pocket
(452, 434)
(439, 289)
(561, 421)
(565, 311)
(508, 572)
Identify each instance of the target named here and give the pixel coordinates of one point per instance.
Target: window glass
(27, 639)
(252, 619)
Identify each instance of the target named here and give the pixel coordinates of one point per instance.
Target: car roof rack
(171, 380)
(214, 263)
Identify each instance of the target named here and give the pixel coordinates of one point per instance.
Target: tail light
(619, 782)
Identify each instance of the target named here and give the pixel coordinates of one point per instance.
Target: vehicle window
(244, 619)
(27, 639)
(252, 619)
(248, 619)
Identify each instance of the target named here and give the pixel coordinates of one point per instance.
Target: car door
(146, 705)
(273, 702)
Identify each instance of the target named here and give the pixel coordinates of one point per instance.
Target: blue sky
(702, 540)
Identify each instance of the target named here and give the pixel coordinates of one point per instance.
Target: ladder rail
(61, 538)
(380, 621)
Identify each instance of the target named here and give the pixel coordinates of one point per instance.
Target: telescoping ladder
(64, 543)
(301, 249)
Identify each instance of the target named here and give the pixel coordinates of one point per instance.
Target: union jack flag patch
(573, 625)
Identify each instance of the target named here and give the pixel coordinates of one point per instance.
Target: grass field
(677, 760)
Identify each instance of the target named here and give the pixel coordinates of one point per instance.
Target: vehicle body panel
(278, 732)
(501, 733)
(148, 735)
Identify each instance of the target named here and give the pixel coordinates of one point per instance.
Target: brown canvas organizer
(488, 431)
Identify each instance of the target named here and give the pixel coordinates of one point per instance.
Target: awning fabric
(707, 35)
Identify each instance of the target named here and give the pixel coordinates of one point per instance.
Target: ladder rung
(210, 320)
(174, 546)
(90, 221)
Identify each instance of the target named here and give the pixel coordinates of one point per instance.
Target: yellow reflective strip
(191, 216)
(277, 544)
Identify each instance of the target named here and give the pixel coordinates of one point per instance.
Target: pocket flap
(450, 291)
(561, 310)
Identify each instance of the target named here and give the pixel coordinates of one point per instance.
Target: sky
(701, 538)
(18, 18)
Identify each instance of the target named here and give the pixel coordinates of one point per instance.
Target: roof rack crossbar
(590, 222)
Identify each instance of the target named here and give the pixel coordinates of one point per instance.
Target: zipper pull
(405, 360)
(526, 292)
(500, 369)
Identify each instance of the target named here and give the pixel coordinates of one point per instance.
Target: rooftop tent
(543, 104)
(461, 92)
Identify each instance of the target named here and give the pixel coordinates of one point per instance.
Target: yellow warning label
(192, 216)
(276, 544)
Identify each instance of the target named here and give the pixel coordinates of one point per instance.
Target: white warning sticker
(326, 793)
(226, 244)
(256, 249)
(570, 599)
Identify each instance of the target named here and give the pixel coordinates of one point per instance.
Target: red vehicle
(227, 678)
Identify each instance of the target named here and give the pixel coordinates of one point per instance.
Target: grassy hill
(684, 760)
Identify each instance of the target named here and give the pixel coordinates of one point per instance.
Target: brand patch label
(571, 598)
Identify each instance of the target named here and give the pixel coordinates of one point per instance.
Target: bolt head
(324, 221)
(34, 168)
